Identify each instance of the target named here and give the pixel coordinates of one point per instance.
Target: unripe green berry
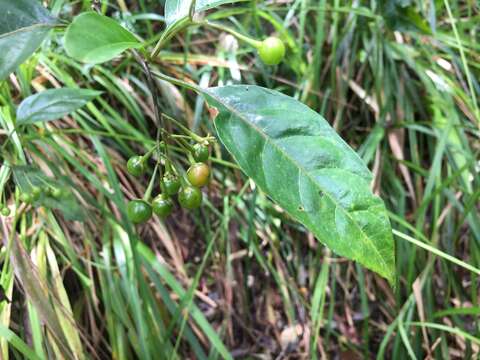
(190, 197)
(170, 184)
(139, 211)
(162, 205)
(57, 193)
(200, 153)
(26, 198)
(5, 211)
(136, 165)
(272, 51)
(36, 192)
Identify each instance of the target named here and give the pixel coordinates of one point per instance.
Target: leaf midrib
(26, 29)
(285, 155)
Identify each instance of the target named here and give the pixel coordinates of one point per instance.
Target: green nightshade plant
(290, 151)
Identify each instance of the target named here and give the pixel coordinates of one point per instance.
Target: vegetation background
(398, 79)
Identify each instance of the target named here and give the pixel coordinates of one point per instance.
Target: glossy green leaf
(26, 177)
(53, 104)
(177, 10)
(24, 24)
(294, 155)
(94, 38)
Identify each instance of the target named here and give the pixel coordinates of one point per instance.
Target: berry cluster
(33, 195)
(36, 192)
(186, 188)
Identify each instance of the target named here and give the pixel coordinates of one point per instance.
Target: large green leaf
(294, 155)
(94, 38)
(24, 24)
(53, 104)
(177, 10)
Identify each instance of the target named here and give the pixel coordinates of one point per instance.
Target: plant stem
(154, 93)
(255, 43)
(437, 252)
(187, 131)
(150, 152)
(168, 34)
(178, 82)
(148, 192)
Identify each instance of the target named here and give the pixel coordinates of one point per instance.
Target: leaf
(36, 292)
(64, 309)
(177, 16)
(24, 24)
(15, 341)
(294, 156)
(53, 104)
(177, 10)
(401, 15)
(94, 38)
(26, 177)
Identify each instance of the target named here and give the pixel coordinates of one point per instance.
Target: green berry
(136, 165)
(190, 197)
(36, 192)
(198, 174)
(272, 51)
(139, 211)
(26, 198)
(57, 193)
(170, 184)
(200, 153)
(162, 205)
(5, 211)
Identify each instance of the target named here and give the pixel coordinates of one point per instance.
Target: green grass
(233, 279)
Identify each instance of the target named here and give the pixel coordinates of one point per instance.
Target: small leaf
(24, 24)
(177, 10)
(26, 177)
(177, 16)
(294, 155)
(94, 38)
(53, 104)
